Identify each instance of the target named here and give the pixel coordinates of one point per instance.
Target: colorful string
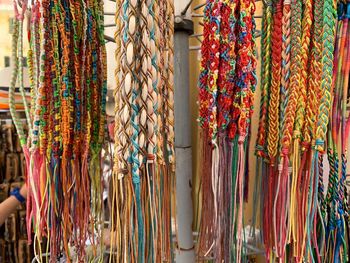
(309, 224)
(143, 180)
(64, 200)
(226, 91)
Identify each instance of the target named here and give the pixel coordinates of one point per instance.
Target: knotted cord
(313, 100)
(143, 180)
(226, 87)
(67, 67)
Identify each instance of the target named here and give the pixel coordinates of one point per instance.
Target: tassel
(206, 232)
(239, 181)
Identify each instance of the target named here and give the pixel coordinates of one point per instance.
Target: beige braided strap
(170, 85)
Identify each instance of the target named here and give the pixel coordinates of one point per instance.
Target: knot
(305, 146)
(285, 151)
(151, 157)
(319, 145)
(121, 173)
(319, 142)
(260, 153)
(241, 139)
(136, 179)
(280, 167)
(296, 134)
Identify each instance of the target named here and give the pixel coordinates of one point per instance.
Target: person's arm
(10, 205)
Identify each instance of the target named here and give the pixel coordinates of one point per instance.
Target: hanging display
(303, 122)
(143, 183)
(226, 91)
(66, 121)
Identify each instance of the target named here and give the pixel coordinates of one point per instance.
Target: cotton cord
(66, 119)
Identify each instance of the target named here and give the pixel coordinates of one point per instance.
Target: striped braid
(306, 29)
(296, 13)
(39, 94)
(102, 59)
(20, 66)
(31, 70)
(213, 69)
(329, 15)
(34, 44)
(145, 78)
(286, 90)
(281, 200)
(119, 139)
(17, 122)
(316, 67)
(246, 62)
(273, 129)
(227, 60)
(161, 83)
(126, 86)
(169, 120)
(328, 40)
(227, 99)
(47, 60)
(299, 222)
(65, 84)
(94, 83)
(77, 79)
(152, 102)
(57, 72)
(169, 173)
(314, 78)
(309, 129)
(136, 151)
(265, 79)
(88, 76)
(204, 93)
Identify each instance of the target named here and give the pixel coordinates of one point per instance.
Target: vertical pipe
(183, 148)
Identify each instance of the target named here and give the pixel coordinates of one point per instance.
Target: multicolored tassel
(66, 119)
(226, 91)
(144, 159)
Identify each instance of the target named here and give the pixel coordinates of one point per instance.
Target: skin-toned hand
(10, 205)
(23, 191)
